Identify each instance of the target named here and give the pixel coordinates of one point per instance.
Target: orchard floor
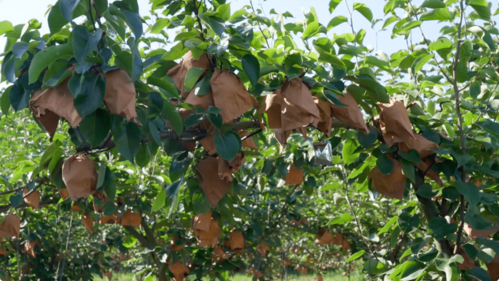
(329, 277)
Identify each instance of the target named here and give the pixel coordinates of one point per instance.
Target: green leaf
(311, 30)
(5, 102)
(333, 4)
(19, 97)
(470, 191)
(159, 25)
(355, 256)
(433, 4)
(192, 77)
(143, 156)
(160, 200)
(465, 51)
(134, 22)
(110, 208)
(5, 26)
(16, 200)
(408, 170)
(67, 8)
(441, 14)
(411, 155)
(83, 43)
(95, 126)
(478, 273)
(129, 241)
(387, 226)
(333, 60)
(251, 67)
(481, 7)
(426, 191)
(439, 228)
(223, 12)
(420, 62)
(91, 95)
(127, 137)
(46, 57)
(364, 10)
(173, 117)
(217, 24)
(173, 188)
(19, 48)
(348, 151)
(384, 164)
(136, 60)
(440, 43)
(228, 145)
(203, 87)
(343, 219)
(336, 21)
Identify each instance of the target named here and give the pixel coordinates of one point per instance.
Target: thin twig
(196, 12)
(259, 26)
(67, 244)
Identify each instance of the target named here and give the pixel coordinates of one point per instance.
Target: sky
(21, 11)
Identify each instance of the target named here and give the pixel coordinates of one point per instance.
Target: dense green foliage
(449, 87)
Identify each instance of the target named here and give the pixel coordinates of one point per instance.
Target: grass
(357, 276)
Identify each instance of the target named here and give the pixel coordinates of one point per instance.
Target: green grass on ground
(240, 277)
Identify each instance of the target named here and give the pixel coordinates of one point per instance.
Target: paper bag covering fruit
(88, 222)
(58, 100)
(474, 233)
(345, 245)
(64, 193)
(493, 268)
(80, 176)
(206, 230)
(286, 262)
(112, 219)
(230, 95)
(99, 196)
(120, 95)
(204, 101)
(226, 168)
(326, 113)
(298, 108)
(29, 248)
(423, 146)
(263, 249)
(10, 226)
(3, 252)
(75, 207)
(324, 238)
(179, 270)
(179, 72)
(468, 263)
(258, 274)
(215, 187)
(294, 175)
(350, 114)
(47, 118)
(392, 185)
(131, 219)
(236, 241)
(301, 269)
(248, 142)
(218, 254)
(175, 246)
(394, 123)
(33, 199)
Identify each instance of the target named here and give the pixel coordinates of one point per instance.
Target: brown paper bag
(219, 255)
(326, 121)
(258, 274)
(33, 200)
(236, 240)
(468, 263)
(319, 278)
(80, 176)
(298, 108)
(208, 144)
(391, 185)
(10, 226)
(420, 144)
(178, 72)
(286, 262)
(282, 136)
(425, 166)
(263, 249)
(213, 185)
(3, 252)
(209, 238)
(64, 193)
(202, 222)
(338, 239)
(48, 119)
(179, 270)
(324, 238)
(112, 219)
(131, 219)
(59, 100)
(174, 247)
(272, 107)
(493, 268)
(203, 102)
(395, 123)
(29, 248)
(88, 222)
(294, 176)
(345, 245)
(248, 143)
(75, 207)
(226, 168)
(120, 95)
(230, 95)
(474, 233)
(103, 200)
(349, 115)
